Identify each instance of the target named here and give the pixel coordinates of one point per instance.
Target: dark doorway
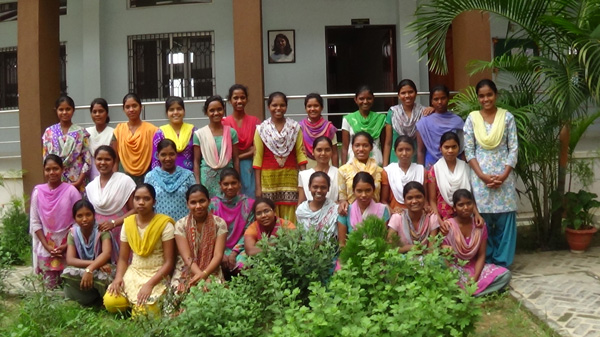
(360, 55)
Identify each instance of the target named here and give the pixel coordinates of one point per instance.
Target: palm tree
(551, 91)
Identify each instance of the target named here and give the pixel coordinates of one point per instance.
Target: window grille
(176, 64)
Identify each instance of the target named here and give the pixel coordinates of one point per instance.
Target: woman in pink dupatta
(469, 243)
(413, 225)
(363, 187)
(50, 220)
(236, 209)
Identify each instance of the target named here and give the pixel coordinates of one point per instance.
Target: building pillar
(38, 67)
(248, 50)
(471, 41)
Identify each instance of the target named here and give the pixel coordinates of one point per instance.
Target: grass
(504, 316)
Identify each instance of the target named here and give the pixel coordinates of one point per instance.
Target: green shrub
(371, 228)
(14, 233)
(302, 257)
(385, 294)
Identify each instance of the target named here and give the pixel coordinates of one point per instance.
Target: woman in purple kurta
(431, 128)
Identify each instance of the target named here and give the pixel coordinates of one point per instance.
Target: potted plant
(578, 219)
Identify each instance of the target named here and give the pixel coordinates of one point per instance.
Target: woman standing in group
(414, 223)
(363, 187)
(403, 172)
(70, 142)
(266, 225)
(245, 126)
(320, 212)
(402, 119)
(216, 145)
(170, 181)
(111, 194)
(431, 128)
(279, 153)
(362, 144)
(468, 241)
(49, 223)
(180, 133)
(88, 257)
(100, 133)
(236, 209)
(133, 141)
(322, 150)
(149, 238)
(491, 149)
(363, 120)
(315, 126)
(200, 237)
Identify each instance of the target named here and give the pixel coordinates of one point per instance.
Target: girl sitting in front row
(413, 224)
(469, 243)
(88, 257)
(363, 188)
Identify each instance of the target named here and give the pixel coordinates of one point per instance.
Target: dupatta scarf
(449, 182)
(143, 246)
(373, 124)
(410, 233)
(492, 140)
(237, 213)
(398, 178)
(464, 250)
(54, 206)
(323, 220)
(182, 139)
(357, 217)
(212, 157)
(404, 125)
(312, 131)
(135, 150)
(201, 240)
(87, 250)
(280, 143)
(112, 198)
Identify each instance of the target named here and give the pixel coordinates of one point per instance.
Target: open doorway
(360, 55)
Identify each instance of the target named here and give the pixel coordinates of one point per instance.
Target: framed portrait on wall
(282, 46)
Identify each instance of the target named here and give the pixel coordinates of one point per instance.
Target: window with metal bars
(175, 64)
(9, 93)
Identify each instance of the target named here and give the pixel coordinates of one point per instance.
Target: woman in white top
(100, 133)
(322, 151)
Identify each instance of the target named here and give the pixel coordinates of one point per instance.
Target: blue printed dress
(170, 190)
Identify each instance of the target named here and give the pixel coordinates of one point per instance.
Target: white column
(409, 65)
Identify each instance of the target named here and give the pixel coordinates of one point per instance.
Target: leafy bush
(14, 233)
(385, 294)
(371, 228)
(302, 257)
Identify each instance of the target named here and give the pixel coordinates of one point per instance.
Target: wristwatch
(87, 270)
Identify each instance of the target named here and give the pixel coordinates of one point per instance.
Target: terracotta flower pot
(579, 239)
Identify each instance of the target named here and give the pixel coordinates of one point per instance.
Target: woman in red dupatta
(200, 239)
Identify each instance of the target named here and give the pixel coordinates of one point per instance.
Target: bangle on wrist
(113, 223)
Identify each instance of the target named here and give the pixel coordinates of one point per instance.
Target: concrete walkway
(561, 288)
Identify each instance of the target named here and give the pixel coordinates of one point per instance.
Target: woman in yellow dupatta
(362, 144)
(133, 141)
(150, 237)
(179, 132)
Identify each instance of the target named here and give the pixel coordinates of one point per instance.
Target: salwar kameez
(497, 206)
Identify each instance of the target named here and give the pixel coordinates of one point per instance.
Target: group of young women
(185, 204)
